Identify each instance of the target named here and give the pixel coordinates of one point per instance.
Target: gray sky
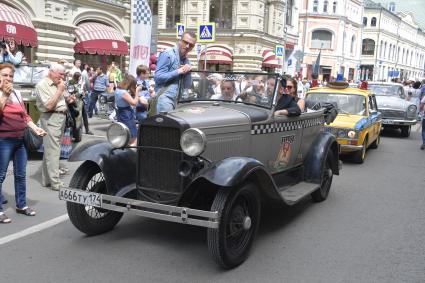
(417, 7)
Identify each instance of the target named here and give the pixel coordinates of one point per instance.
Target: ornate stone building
(333, 27)
(247, 31)
(393, 45)
(63, 28)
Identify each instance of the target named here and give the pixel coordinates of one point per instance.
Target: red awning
(14, 24)
(218, 54)
(270, 60)
(98, 38)
(162, 46)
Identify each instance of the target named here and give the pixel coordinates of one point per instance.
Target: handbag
(32, 140)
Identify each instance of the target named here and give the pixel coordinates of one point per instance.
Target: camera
(3, 44)
(143, 87)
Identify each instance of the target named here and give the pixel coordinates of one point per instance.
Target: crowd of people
(136, 97)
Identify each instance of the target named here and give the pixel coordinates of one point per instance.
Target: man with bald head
(52, 102)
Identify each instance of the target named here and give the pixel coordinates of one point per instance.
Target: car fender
(315, 158)
(234, 171)
(119, 166)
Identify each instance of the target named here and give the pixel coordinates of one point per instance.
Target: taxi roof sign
(206, 32)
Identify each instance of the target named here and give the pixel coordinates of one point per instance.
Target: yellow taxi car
(358, 124)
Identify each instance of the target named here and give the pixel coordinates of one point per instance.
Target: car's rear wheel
(89, 219)
(239, 211)
(405, 131)
(376, 142)
(359, 156)
(326, 180)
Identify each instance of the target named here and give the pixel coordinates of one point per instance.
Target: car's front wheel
(405, 131)
(360, 155)
(239, 211)
(89, 219)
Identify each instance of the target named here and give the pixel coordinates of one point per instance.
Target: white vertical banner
(141, 29)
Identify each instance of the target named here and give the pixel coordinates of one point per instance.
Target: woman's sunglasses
(289, 87)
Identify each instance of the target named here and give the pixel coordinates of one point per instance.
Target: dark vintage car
(397, 112)
(211, 162)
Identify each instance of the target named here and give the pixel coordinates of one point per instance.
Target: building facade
(393, 45)
(333, 29)
(247, 31)
(96, 31)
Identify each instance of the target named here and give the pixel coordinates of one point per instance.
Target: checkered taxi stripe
(260, 129)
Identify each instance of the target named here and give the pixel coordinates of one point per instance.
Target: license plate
(388, 122)
(86, 198)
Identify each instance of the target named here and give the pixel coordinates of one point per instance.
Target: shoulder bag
(32, 140)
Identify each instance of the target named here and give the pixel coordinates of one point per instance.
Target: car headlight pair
(347, 133)
(193, 141)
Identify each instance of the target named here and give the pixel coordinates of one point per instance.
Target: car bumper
(345, 148)
(400, 122)
(152, 210)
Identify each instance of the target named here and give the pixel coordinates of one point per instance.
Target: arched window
(364, 21)
(353, 44)
(368, 46)
(373, 22)
(334, 7)
(289, 7)
(321, 39)
(325, 6)
(316, 6)
(173, 13)
(221, 13)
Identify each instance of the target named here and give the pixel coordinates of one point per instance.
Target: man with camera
(9, 52)
(51, 102)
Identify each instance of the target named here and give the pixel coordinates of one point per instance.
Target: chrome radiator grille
(158, 167)
(393, 114)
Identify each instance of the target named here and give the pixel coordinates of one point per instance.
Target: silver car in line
(397, 112)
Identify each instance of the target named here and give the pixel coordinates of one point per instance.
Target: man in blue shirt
(172, 64)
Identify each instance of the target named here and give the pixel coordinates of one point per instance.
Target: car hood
(392, 102)
(346, 121)
(211, 116)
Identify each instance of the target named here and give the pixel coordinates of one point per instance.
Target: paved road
(371, 229)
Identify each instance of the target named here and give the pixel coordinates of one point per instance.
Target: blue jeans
(423, 130)
(165, 104)
(14, 149)
(94, 96)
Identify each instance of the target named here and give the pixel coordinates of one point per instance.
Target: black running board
(293, 194)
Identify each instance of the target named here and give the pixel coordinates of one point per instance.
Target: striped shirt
(13, 118)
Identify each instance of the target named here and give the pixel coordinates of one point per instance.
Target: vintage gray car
(396, 111)
(211, 162)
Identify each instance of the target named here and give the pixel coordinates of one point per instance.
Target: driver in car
(228, 92)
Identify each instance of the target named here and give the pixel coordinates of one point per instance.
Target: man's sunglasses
(191, 45)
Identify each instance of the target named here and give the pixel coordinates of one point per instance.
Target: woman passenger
(292, 90)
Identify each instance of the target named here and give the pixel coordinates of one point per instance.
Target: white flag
(141, 29)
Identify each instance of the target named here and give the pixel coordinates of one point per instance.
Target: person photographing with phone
(51, 101)
(13, 121)
(9, 52)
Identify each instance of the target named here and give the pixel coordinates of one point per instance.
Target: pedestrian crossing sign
(179, 29)
(279, 51)
(206, 32)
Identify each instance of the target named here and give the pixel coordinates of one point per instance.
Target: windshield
(346, 103)
(29, 74)
(386, 89)
(248, 88)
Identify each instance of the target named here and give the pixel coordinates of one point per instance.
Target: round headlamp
(193, 142)
(411, 108)
(342, 133)
(351, 134)
(118, 135)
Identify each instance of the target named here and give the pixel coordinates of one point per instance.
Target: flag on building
(316, 66)
(141, 29)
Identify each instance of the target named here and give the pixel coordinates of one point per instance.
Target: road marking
(34, 229)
